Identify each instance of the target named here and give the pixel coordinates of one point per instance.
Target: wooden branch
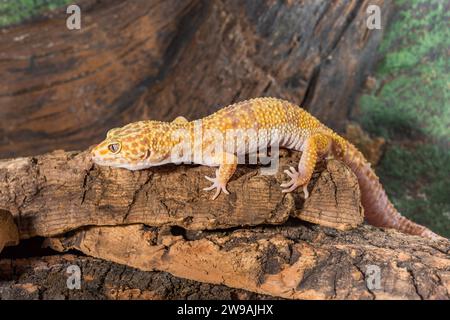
(61, 191)
(105, 209)
(9, 236)
(293, 261)
(46, 278)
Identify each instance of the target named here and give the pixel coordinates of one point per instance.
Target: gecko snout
(97, 153)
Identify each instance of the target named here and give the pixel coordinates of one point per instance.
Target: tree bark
(9, 234)
(159, 59)
(46, 278)
(61, 191)
(291, 261)
(116, 215)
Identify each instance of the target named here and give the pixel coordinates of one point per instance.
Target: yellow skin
(268, 122)
(145, 144)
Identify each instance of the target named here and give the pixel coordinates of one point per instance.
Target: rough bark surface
(291, 261)
(116, 215)
(61, 191)
(134, 60)
(46, 278)
(9, 234)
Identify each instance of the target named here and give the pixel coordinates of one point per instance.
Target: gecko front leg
(227, 166)
(312, 147)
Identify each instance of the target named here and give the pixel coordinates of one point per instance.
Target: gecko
(272, 121)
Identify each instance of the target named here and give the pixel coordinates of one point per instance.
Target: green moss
(414, 77)
(418, 182)
(431, 164)
(411, 107)
(15, 11)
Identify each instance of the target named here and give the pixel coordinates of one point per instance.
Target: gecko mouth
(103, 162)
(139, 165)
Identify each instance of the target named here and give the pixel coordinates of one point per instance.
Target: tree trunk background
(135, 60)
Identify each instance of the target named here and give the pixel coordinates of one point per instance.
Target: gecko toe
(224, 189)
(287, 184)
(289, 173)
(292, 188)
(305, 191)
(209, 188)
(216, 194)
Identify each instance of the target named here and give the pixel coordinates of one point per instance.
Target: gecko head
(135, 146)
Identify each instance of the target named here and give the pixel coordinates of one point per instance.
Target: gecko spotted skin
(269, 121)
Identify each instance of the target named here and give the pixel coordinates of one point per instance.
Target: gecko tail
(378, 210)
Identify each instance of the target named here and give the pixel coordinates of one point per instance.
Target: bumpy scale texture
(244, 128)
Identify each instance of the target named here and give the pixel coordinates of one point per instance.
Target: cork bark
(256, 239)
(293, 261)
(61, 191)
(9, 234)
(46, 278)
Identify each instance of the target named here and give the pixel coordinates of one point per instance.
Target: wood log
(116, 215)
(159, 59)
(46, 278)
(61, 191)
(290, 261)
(9, 234)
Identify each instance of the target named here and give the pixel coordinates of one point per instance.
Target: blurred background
(386, 90)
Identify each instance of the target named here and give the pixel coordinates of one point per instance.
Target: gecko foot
(296, 181)
(219, 185)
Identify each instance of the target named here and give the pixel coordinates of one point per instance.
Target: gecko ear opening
(146, 154)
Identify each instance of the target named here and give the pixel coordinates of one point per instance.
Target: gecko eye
(114, 147)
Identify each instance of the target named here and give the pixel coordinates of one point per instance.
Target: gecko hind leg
(312, 146)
